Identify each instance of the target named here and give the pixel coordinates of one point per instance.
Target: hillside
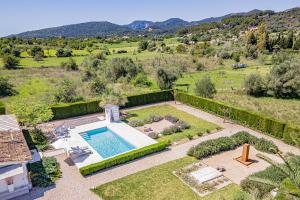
(93, 29)
(275, 22)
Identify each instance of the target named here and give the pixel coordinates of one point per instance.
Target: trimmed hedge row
(123, 158)
(257, 121)
(62, 111)
(215, 146)
(2, 108)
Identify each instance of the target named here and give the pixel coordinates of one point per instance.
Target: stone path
(73, 186)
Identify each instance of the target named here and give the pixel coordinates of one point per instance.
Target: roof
(11, 170)
(13, 146)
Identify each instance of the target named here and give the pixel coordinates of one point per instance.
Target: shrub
(66, 92)
(123, 158)
(264, 145)
(97, 86)
(153, 118)
(171, 130)
(243, 137)
(10, 61)
(70, 65)
(122, 67)
(6, 88)
(136, 123)
(189, 136)
(36, 139)
(63, 52)
(171, 118)
(200, 67)
(205, 88)
(211, 147)
(45, 172)
(2, 108)
(255, 85)
(283, 80)
(182, 125)
(165, 79)
(36, 50)
(141, 80)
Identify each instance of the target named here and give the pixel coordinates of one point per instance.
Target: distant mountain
(89, 29)
(92, 29)
(139, 25)
(218, 19)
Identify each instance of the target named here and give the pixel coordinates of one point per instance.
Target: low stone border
(201, 189)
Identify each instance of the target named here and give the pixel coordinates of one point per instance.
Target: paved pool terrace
(126, 132)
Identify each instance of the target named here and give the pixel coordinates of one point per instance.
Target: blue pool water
(106, 142)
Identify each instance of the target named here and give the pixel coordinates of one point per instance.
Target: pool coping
(123, 130)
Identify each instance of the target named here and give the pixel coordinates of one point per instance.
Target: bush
(10, 61)
(97, 86)
(212, 147)
(36, 139)
(171, 130)
(66, 92)
(45, 172)
(165, 79)
(251, 119)
(264, 145)
(182, 125)
(205, 88)
(136, 123)
(62, 111)
(171, 118)
(2, 108)
(124, 158)
(36, 50)
(153, 118)
(6, 88)
(141, 80)
(255, 85)
(63, 52)
(70, 65)
(200, 67)
(283, 80)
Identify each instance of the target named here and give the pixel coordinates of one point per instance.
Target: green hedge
(215, 146)
(62, 111)
(123, 158)
(257, 121)
(2, 108)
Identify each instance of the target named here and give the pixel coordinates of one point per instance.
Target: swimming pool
(106, 142)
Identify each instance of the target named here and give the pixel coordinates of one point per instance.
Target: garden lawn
(198, 126)
(159, 183)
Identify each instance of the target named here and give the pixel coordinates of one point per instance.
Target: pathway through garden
(75, 187)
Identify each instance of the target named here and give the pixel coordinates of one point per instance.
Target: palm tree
(289, 188)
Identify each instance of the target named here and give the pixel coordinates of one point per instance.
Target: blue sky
(22, 15)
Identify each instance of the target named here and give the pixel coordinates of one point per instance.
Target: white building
(14, 155)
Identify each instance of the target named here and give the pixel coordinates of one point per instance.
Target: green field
(159, 183)
(198, 126)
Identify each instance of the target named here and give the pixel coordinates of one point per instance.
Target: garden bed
(198, 127)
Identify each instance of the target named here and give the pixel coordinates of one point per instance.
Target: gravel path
(73, 186)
